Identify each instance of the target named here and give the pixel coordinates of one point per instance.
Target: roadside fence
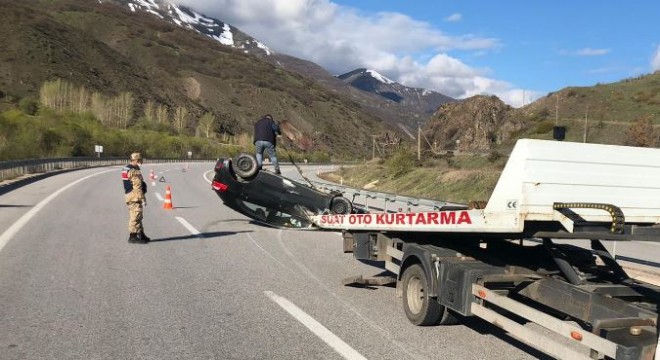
(17, 168)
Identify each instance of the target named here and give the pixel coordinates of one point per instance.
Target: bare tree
(47, 94)
(162, 114)
(180, 118)
(101, 108)
(150, 112)
(80, 101)
(641, 133)
(207, 124)
(125, 103)
(55, 94)
(64, 96)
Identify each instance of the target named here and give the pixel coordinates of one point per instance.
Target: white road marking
(373, 325)
(264, 250)
(316, 327)
(205, 178)
(159, 196)
(187, 225)
(18, 225)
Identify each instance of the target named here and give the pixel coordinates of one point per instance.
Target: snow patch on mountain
(379, 77)
(188, 18)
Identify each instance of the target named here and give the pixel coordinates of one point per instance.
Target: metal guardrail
(16, 168)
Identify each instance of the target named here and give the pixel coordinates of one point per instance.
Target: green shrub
(494, 156)
(400, 163)
(544, 127)
(29, 106)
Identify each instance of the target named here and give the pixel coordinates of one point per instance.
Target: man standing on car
(265, 137)
(135, 189)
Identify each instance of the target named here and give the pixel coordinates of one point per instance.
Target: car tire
(245, 166)
(341, 205)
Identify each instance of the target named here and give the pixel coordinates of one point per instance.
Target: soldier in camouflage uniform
(135, 189)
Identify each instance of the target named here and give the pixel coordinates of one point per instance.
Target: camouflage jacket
(134, 186)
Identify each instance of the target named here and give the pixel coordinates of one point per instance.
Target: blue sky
(460, 48)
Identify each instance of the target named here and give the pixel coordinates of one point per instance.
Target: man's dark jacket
(265, 130)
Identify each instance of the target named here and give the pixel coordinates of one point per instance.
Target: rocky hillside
(477, 124)
(603, 113)
(411, 106)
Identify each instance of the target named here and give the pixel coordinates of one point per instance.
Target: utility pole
(586, 114)
(419, 143)
(557, 110)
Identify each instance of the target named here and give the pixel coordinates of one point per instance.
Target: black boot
(133, 238)
(144, 237)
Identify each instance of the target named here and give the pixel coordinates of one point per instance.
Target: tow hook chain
(618, 219)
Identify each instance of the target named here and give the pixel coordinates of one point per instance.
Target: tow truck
(509, 262)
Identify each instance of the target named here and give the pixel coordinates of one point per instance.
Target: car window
(271, 216)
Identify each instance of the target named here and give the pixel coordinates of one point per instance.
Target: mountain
(478, 124)
(413, 106)
(188, 18)
(425, 100)
(400, 106)
(111, 49)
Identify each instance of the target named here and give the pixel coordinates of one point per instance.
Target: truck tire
(245, 166)
(341, 205)
(420, 308)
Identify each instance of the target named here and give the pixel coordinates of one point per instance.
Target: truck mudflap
(634, 342)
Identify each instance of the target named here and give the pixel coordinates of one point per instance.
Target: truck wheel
(245, 166)
(341, 205)
(420, 308)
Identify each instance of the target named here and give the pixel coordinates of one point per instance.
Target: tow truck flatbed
(458, 261)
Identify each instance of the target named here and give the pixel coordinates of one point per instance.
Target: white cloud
(455, 17)
(586, 52)
(341, 39)
(593, 52)
(655, 62)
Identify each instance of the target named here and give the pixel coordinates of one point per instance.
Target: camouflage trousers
(135, 217)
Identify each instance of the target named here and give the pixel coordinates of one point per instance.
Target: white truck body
(548, 190)
(539, 174)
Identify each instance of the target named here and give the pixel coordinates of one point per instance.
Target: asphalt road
(211, 285)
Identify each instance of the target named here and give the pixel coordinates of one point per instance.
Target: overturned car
(272, 199)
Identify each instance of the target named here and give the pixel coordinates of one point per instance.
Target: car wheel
(245, 166)
(341, 205)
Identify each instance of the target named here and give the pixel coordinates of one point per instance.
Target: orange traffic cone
(167, 204)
